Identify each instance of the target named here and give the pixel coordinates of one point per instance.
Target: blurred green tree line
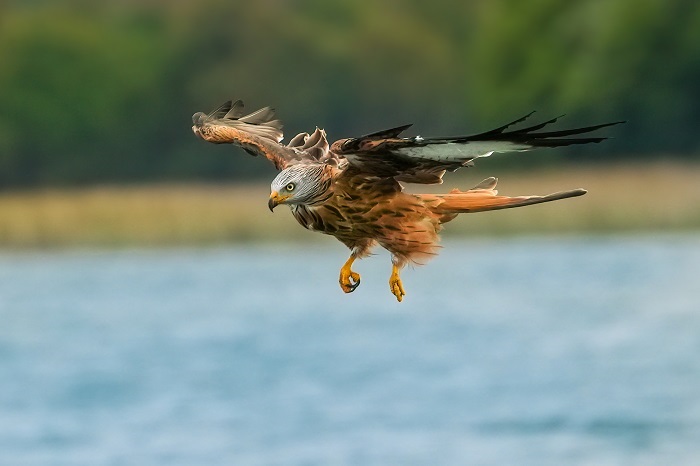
(94, 92)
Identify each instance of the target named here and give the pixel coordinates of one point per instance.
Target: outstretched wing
(260, 133)
(425, 160)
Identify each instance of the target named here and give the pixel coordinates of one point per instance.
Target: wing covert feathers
(484, 197)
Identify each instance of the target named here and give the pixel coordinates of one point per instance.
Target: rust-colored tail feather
(484, 197)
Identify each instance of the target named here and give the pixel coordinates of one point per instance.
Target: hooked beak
(275, 200)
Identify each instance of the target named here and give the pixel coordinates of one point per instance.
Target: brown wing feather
(260, 133)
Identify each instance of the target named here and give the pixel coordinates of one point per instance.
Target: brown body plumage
(362, 215)
(351, 190)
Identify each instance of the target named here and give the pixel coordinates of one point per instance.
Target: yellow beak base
(275, 200)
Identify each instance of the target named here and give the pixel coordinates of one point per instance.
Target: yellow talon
(349, 280)
(395, 284)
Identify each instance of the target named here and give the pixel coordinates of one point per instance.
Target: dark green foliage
(96, 92)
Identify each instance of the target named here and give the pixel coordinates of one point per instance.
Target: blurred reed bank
(622, 199)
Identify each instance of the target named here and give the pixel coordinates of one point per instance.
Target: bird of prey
(352, 189)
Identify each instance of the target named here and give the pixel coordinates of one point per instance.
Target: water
(528, 352)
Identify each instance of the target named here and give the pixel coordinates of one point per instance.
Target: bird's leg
(395, 284)
(349, 280)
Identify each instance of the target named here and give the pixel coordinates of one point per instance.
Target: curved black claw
(352, 287)
(348, 280)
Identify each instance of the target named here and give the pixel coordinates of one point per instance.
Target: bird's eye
(290, 187)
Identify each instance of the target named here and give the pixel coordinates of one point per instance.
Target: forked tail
(483, 197)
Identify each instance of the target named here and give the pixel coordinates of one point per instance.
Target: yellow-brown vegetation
(657, 197)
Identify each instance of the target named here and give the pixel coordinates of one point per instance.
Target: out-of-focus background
(154, 312)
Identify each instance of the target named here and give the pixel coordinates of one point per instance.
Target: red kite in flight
(352, 188)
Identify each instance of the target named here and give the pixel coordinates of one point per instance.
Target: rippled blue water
(528, 352)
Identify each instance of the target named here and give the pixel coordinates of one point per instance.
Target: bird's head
(197, 122)
(298, 184)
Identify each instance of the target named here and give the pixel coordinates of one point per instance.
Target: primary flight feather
(351, 189)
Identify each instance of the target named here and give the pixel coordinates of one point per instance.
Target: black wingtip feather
(561, 142)
(544, 139)
(500, 129)
(387, 133)
(515, 122)
(570, 132)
